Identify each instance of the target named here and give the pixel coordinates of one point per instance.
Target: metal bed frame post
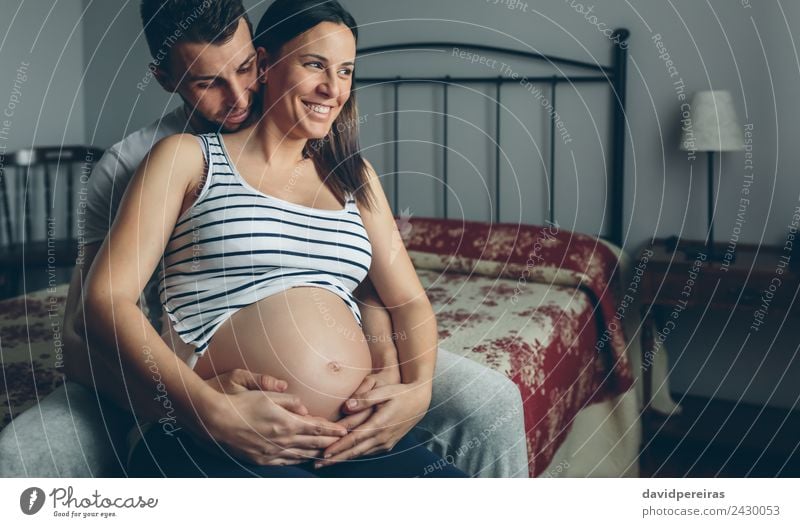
(552, 197)
(446, 186)
(498, 85)
(396, 178)
(620, 37)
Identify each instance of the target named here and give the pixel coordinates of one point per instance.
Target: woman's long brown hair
(336, 156)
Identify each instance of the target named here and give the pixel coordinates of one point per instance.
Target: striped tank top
(236, 245)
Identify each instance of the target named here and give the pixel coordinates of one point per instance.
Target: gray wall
(44, 41)
(720, 44)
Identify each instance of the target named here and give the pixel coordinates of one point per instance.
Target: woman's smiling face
(309, 83)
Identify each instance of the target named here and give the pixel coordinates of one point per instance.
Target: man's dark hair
(169, 21)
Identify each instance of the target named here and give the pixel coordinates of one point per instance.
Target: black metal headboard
(614, 76)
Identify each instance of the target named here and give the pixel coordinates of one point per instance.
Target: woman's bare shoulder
(183, 148)
(178, 155)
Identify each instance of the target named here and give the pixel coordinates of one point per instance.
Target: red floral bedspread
(535, 303)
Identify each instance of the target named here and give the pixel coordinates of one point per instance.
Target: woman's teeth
(317, 108)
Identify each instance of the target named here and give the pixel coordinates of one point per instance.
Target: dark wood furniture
(679, 276)
(40, 199)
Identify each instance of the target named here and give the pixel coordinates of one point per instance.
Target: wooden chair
(43, 191)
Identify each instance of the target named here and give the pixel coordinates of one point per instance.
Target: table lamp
(713, 127)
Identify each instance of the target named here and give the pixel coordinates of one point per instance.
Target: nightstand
(677, 275)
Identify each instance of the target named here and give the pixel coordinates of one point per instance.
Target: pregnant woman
(260, 238)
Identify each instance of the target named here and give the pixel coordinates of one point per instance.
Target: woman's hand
(261, 426)
(386, 376)
(393, 411)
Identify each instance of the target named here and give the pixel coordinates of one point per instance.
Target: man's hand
(256, 423)
(238, 380)
(393, 410)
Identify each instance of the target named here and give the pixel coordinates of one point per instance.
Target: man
(203, 51)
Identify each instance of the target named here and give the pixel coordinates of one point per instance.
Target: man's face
(216, 81)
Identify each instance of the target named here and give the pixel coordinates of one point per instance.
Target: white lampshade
(714, 126)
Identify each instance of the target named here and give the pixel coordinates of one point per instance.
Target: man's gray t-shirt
(114, 171)
(110, 177)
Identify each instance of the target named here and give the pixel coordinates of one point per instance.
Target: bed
(556, 329)
(540, 303)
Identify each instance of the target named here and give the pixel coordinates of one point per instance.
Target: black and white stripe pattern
(236, 246)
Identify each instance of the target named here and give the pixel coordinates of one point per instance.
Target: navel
(334, 367)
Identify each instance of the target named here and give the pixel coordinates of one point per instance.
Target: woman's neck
(277, 146)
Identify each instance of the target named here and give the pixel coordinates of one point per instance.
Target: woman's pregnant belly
(306, 336)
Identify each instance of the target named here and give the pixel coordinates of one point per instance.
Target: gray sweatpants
(475, 422)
